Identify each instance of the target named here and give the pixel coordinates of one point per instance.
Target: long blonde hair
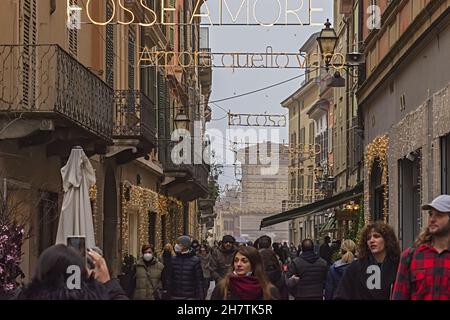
(258, 271)
(169, 248)
(348, 248)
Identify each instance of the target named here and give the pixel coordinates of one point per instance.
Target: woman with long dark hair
(56, 272)
(247, 279)
(372, 276)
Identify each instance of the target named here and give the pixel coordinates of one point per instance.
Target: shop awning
(320, 205)
(330, 225)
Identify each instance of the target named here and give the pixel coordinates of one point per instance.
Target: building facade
(263, 189)
(405, 107)
(86, 87)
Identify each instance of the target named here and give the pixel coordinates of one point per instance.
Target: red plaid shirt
(427, 277)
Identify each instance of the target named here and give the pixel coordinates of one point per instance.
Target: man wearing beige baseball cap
(424, 271)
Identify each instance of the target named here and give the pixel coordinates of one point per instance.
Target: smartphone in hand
(79, 244)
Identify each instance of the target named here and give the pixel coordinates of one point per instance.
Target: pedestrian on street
(326, 251)
(167, 255)
(272, 266)
(307, 274)
(53, 278)
(148, 276)
(205, 260)
(424, 270)
(222, 258)
(186, 276)
(293, 251)
(336, 271)
(372, 276)
(247, 280)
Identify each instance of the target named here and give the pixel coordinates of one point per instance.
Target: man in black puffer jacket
(307, 274)
(185, 281)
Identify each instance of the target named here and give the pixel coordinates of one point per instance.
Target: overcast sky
(227, 83)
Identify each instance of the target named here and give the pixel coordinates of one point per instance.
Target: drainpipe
(347, 105)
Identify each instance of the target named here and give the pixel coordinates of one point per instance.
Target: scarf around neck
(246, 287)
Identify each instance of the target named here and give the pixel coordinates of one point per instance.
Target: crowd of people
(371, 269)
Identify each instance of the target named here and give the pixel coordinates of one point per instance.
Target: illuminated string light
(94, 208)
(144, 201)
(377, 150)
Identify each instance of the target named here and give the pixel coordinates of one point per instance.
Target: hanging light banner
(256, 120)
(238, 60)
(265, 13)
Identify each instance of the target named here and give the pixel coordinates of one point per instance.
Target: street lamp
(327, 42)
(182, 121)
(319, 172)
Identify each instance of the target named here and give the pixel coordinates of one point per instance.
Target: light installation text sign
(265, 13)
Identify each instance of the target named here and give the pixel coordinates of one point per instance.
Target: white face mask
(148, 256)
(177, 248)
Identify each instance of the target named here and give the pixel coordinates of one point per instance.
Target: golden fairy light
(145, 201)
(377, 150)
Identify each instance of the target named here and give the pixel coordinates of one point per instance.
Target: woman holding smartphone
(61, 274)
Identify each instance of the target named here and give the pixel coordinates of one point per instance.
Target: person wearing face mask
(372, 276)
(222, 258)
(185, 281)
(247, 279)
(148, 271)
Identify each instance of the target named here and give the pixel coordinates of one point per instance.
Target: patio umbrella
(76, 214)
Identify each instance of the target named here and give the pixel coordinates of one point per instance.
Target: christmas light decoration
(377, 150)
(145, 201)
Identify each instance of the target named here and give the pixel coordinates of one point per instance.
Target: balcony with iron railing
(135, 118)
(190, 177)
(45, 82)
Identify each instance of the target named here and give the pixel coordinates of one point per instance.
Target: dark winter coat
(220, 264)
(186, 277)
(273, 271)
(354, 284)
(90, 290)
(334, 277)
(167, 262)
(326, 253)
(312, 271)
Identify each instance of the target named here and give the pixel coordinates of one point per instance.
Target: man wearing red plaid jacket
(424, 271)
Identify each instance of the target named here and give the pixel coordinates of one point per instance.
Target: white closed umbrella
(78, 177)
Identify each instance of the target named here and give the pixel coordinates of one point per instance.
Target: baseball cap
(440, 203)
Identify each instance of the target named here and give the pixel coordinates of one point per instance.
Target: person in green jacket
(148, 271)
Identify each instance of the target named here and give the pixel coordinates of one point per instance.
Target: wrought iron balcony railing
(46, 80)
(170, 159)
(201, 173)
(135, 116)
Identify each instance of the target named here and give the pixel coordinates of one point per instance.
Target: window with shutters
(73, 36)
(302, 136)
(311, 133)
(172, 27)
(131, 59)
(163, 118)
(109, 48)
(29, 39)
